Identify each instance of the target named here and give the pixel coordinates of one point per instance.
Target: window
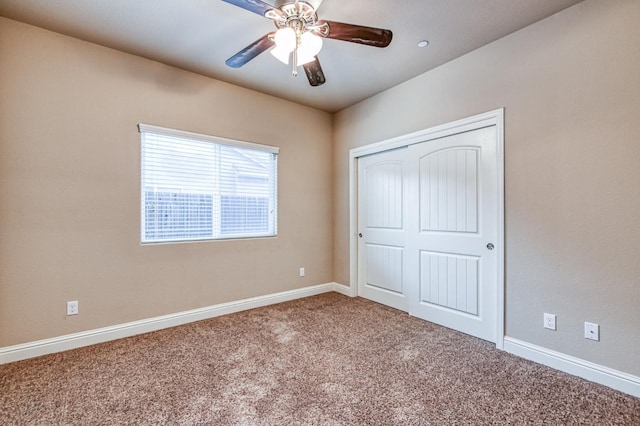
(198, 187)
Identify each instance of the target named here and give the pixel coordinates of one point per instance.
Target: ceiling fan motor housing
(313, 3)
(297, 15)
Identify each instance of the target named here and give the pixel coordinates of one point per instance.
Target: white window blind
(199, 187)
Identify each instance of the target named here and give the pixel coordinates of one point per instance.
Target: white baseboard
(343, 289)
(615, 379)
(596, 373)
(100, 335)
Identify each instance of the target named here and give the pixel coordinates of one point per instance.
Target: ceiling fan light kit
(299, 35)
(306, 45)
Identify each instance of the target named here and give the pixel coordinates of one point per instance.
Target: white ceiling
(199, 35)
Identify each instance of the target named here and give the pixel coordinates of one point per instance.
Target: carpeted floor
(324, 360)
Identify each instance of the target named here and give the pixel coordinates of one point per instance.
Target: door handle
(360, 235)
(490, 246)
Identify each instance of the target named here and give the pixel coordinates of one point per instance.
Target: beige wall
(570, 86)
(69, 172)
(69, 188)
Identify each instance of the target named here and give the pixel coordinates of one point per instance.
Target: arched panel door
(452, 264)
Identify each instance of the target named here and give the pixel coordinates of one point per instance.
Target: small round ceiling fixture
(423, 43)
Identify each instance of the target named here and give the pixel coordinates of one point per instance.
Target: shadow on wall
(136, 67)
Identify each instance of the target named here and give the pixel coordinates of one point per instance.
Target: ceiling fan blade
(314, 72)
(369, 36)
(251, 51)
(255, 6)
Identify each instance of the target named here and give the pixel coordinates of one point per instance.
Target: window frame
(220, 142)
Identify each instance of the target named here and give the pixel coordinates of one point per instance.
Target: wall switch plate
(302, 272)
(72, 307)
(591, 331)
(550, 321)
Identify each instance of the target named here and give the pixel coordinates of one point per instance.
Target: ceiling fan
(299, 35)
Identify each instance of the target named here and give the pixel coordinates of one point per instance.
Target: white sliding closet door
(452, 264)
(428, 218)
(382, 197)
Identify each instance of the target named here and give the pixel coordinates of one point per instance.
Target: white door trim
(479, 121)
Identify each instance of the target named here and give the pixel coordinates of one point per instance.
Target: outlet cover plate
(591, 331)
(550, 321)
(72, 307)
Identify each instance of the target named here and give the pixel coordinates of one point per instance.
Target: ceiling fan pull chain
(298, 26)
(295, 59)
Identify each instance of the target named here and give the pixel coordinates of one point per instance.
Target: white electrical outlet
(591, 331)
(72, 307)
(550, 321)
(302, 272)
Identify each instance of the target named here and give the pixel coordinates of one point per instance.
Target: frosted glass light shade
(310, 45)
(286, 39)
(281, 54)
(304, 59)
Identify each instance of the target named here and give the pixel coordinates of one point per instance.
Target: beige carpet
(324, 360)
